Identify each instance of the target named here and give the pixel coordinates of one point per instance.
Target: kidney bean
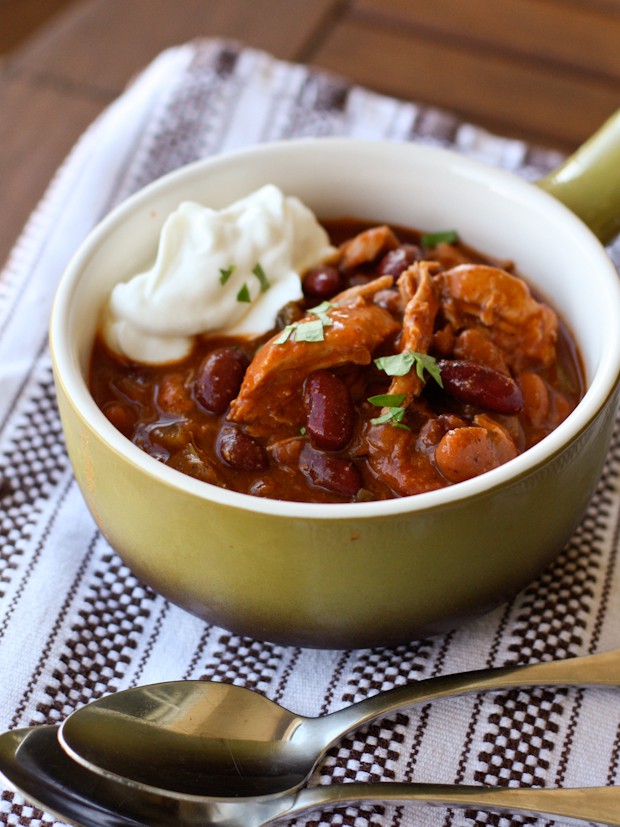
(336, 474)
(239, 450)
(322, 282)
(478, 384)
(394, 262)
(329, 411)
(219, 378)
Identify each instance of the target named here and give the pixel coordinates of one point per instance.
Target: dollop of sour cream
(217, 271)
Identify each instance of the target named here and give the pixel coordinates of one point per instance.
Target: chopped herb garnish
(311, 331)
(394, 414)
(285, 335)
(320, 311)
(397, 365)
(433, 239)
(226, 273)
(424, 362)
(389, 399)
(244, 294)
(303, 430)
(401, 363)
(260, 275)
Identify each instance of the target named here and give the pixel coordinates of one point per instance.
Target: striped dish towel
(75, 623)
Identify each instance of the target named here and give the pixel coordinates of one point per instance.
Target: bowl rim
(68, 375)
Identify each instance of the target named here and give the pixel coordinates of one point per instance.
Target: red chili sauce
(477, 370)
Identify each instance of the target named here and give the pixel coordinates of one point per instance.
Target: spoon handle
(595, 804)
(592, 670)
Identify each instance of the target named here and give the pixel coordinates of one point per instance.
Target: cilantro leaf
(244, 294)
(397, 365)
(320, 311)
(394, 414)
(433, 239)
(401, 363)
(226, 273)
(284, 335)
(424, 362)
(311, 331)
(262, 278)
(308, 331)
(386, 399)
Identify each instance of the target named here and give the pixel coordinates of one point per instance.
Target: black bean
(478, 384)
(329, 411)
(335, 474)
(219, 378)
(322, 282)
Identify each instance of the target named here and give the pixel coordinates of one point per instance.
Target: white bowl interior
(426, 188)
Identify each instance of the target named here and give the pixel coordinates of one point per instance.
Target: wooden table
(544, 70)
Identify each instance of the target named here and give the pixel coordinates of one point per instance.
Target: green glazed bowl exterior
(336, 583)
(363, 574)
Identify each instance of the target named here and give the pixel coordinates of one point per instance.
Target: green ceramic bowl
(364, 574)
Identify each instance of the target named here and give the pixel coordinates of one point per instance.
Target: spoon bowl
(197, 738)
(35, 764)
(37, 767)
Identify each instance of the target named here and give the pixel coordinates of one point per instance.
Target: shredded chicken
(366, 247)
(271, 392)
(421, 302)
(476, 295)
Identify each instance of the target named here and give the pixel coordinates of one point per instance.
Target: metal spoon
(36, 766)
(204, 738)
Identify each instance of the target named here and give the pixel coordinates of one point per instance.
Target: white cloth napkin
(74, 621)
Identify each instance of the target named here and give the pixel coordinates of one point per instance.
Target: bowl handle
(588, 182)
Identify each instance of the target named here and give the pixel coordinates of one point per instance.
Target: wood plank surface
(521, 98)
(547, 71)
(104, 42)
(20, 18)
(572, 37)
(30, 154)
